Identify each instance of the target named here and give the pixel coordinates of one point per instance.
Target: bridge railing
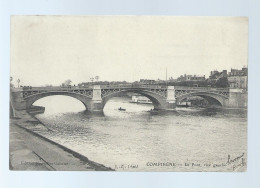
(54, 88)
(67, 88)
(200, 88)
(132, 86)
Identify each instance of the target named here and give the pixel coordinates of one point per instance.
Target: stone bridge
(95, 97)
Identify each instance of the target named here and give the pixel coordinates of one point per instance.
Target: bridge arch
(212, 98)
(33, 98)
(158, 101)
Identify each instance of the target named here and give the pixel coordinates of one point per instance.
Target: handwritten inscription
(234, 162)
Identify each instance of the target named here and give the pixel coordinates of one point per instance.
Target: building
(238, 78)
(215, 75)
(190, 78)
(145, 81)
(236, 72)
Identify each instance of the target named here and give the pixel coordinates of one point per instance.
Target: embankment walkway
(30, 151)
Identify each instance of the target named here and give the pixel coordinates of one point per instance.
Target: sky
(51, 49)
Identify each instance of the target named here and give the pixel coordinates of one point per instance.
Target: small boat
(154, 112)
(121, 109)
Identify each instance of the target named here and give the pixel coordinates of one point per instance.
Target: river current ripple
(135, 140)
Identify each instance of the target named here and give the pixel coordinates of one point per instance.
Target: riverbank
(29, 150)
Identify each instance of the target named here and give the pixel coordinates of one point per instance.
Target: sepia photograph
(128, 93)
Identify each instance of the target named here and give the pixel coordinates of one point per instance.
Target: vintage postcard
(128, 93)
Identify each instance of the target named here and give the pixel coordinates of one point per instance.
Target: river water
(135, 140)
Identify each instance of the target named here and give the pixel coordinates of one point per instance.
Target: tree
(222, 82)
(66, 82)
(11, 85)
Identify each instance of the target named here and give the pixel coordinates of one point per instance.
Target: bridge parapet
(200, 88)
(105, 91)
(35, 91)
(55, 88)
(135, 86)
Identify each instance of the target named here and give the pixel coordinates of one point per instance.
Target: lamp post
(18, 81)
(92, 79)
(166, 78)
(97, 77)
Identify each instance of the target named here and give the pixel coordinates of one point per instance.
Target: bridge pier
(171, 100)
(237, 99)
(96, 102)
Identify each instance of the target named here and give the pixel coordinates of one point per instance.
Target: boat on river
(139, 99)
(121, 109)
